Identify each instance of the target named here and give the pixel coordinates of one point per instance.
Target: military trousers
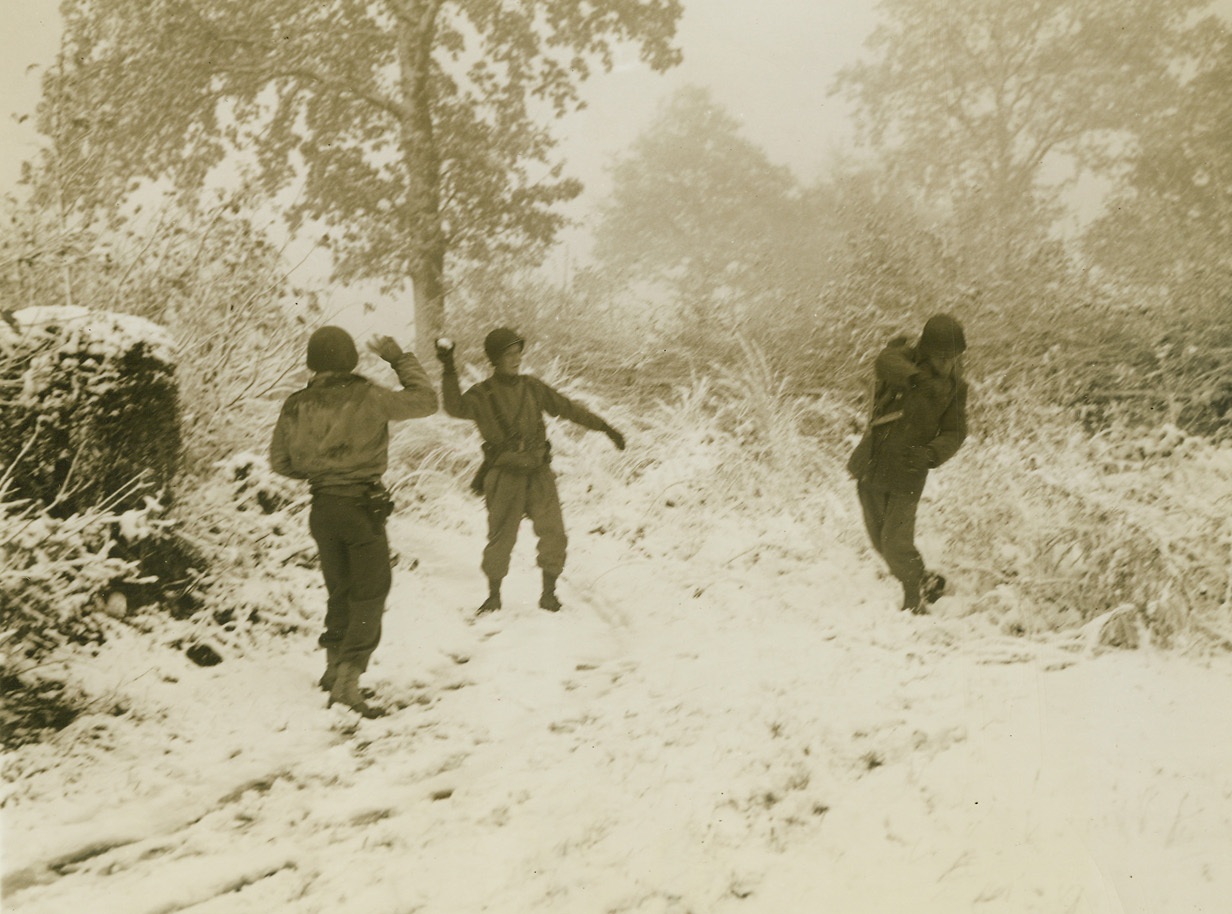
(355, 562)
(890, 519)
(511, 495)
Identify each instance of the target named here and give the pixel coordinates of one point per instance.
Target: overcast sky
(27, 40)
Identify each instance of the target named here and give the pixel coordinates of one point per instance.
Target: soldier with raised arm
(335, 434)
(516, 479)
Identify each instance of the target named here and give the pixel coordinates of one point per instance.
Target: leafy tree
(859, 264)
(983, 103)
(412, 129)
(815, 275)
(694, 205)
(1180, 189)
(1165, 244)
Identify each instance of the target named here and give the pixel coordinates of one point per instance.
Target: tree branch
(308, 75)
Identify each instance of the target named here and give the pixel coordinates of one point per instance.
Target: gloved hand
(617, 438)
(444, 352)
(387, 348)
(919, 458)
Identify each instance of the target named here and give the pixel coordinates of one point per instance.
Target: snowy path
(666, 744)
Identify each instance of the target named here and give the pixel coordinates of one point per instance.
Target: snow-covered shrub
(431, 465)
(591, 328)
(250, 524)
(30, 709)
(89, 412)
(68, 581)
(89, 440)
(764, 447)
(248, 518)
(211, 272)
(256, 487)
(58, 575)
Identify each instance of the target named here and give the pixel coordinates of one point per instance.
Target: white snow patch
(98, 334)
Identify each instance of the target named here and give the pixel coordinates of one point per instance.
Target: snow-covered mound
(93, 406)
(104, 335)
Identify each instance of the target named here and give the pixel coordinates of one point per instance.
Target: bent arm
(894, 366)
(417, 398)
(953, 428)
(279, 454)
(451, 393)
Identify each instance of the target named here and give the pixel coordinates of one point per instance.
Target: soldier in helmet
(335, 434)
(918, 422)
(516, 479)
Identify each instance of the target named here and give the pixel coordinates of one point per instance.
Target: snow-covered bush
(237, 572)
(255, 487)
(250, 523)
(90, 442)
(89, 412)
(587, 327)
(208, 272)
(59, 575)
(239, 569)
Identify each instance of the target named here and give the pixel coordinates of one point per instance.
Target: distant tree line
(980, 122)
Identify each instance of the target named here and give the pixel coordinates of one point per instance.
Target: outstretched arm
(557, 404)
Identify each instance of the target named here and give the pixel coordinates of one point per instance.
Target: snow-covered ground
(733, 718)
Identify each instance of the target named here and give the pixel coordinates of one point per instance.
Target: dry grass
(1093, 531)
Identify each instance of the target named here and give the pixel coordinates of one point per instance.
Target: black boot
(932, 586)
(493, 602)
(913, 602)
(332, 655)
(549, 600)
(345, 691)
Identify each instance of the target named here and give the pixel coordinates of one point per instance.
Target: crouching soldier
(918, 422)
(516, 479)
(335, 434)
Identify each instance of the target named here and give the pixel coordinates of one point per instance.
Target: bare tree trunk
(429, 294)
(417, 34)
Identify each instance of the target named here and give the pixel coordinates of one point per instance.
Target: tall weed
(1055, 539)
